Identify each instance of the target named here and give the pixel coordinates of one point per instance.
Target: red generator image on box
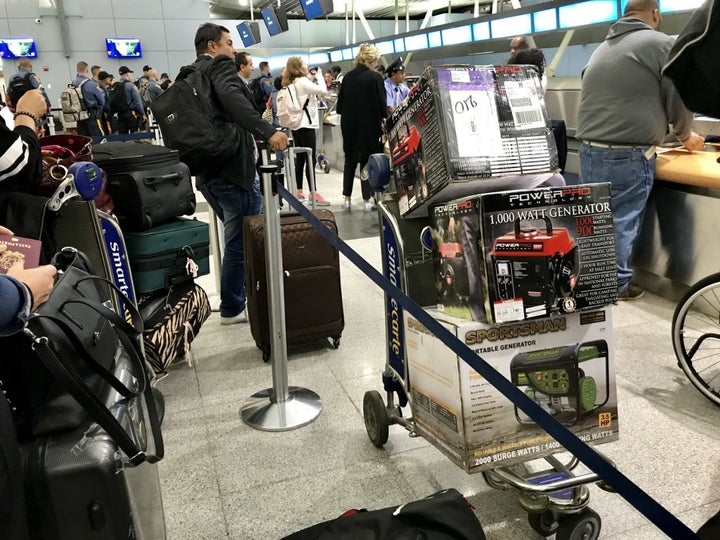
(407, 159)
(537, 267)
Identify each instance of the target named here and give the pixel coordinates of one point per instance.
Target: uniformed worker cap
(103, 75)
(124, 69)
(395, 66)
(146, 68)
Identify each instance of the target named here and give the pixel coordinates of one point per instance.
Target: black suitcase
(158, 256)
(313, 296)
(88, 493)
(148, 183)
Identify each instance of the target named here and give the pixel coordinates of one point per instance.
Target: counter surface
(699, 169)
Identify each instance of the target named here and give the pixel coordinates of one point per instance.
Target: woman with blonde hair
(362, 108)
(305, 87)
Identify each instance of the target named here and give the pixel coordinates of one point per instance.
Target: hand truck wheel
(543, 523)
(695, 331)
(585, 525)
(376, 418)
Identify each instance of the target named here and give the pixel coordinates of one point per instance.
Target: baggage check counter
(678, 242)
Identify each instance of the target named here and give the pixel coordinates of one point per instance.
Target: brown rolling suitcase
(313, 297)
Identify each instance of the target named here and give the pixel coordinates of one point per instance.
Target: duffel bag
(445, 515)
(148, 183)
(171, 321)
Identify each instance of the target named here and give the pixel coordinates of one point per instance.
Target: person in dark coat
(362, 108)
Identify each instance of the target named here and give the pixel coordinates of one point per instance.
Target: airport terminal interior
(221, 478)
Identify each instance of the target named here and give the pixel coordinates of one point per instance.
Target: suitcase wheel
(335, 342)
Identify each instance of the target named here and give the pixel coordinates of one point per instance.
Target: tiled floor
(223, 479)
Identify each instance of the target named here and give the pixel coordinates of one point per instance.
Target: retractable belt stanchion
(282, 407)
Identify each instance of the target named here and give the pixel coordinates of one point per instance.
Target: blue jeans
(631, 176)
(231, 204)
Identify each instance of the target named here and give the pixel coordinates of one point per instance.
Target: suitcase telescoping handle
(154, 181)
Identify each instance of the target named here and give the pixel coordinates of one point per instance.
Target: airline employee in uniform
(395, 89)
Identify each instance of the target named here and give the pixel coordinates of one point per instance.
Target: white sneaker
(239, 318)
(346, 205)
(369, 207)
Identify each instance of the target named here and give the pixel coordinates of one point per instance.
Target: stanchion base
(260, 412)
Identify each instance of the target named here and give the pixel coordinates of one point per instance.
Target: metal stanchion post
(282, 407)
(217, 243)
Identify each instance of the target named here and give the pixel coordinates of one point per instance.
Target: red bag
(58, 153)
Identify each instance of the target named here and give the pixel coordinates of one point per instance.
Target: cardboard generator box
(564, 363)
(463, 129)
(516, 255)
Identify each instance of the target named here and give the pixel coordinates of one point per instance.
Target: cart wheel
(336, 342)
(376, 418)
(543, 523)
(159, 404)
(585, 525)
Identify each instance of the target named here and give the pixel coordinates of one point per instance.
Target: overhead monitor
(435, 39)
(511, 26)
(590, 12)
(123, 48)
(545, 21)
(275, 19)
(336, 56)
(416, 42)
(385, 47)
(456, 36)
(481, 31)
(18, 48)
(249, 33)
(399, 44)
(314, 9)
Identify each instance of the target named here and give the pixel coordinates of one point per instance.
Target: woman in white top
(306, 87)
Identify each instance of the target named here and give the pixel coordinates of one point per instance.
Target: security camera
(38, 21)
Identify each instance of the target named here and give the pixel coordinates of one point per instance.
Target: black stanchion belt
(625, 487)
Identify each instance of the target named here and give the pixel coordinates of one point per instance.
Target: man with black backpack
(227, 184)
(125, 103)
(262, 87)
(23, 81)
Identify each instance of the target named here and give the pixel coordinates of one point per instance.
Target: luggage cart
(322, 162)
(555, 498)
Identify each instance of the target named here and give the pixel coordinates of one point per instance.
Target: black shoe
(632, 292)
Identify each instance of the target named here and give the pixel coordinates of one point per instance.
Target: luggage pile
(151, 190)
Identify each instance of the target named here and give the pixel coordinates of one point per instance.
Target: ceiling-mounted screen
(511, 26)
(455, 36)
(123, 48)
(544, 21)
(18, 48)
(481, 31)
(275, 20)
(591, 12)
(416, 42)
(314, 9)
(249, 33)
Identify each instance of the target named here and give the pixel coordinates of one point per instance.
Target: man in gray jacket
(625, 108)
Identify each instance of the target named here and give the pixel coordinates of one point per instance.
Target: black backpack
(259, 99)
(118, 103)
(17, 88)
(183, 114)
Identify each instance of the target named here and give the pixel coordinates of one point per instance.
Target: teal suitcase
(158, 256)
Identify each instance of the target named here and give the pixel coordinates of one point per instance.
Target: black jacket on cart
(694, 64)
(236, 118)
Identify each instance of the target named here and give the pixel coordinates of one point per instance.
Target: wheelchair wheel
(696, 336)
